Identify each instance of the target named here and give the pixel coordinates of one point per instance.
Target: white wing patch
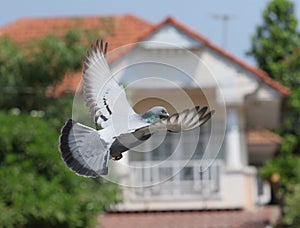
(100, 90)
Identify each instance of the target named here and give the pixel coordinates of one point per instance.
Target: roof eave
(256, 71)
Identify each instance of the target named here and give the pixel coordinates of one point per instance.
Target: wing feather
(187, 119)
(104, 97)
(83, 150)
(183, 121)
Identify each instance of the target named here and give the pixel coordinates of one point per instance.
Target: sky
(200, 15)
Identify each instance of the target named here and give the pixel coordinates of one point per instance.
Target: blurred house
(172, 65)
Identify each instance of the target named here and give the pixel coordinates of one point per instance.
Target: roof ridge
(59, 17)
(148, 30)
(254, 70)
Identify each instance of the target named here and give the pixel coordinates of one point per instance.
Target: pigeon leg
(118, 157)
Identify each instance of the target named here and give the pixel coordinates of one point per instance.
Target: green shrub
(36, 188)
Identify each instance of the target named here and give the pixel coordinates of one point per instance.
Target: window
(175, 167)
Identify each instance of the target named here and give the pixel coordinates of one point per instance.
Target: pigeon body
(87, 151)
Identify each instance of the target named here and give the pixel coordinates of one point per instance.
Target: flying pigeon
(85, 150)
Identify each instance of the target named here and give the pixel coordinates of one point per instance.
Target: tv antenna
(224, 18)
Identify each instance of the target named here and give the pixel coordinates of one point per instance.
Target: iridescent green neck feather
(150, 117)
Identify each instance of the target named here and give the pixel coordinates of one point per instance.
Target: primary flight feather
(87, 151)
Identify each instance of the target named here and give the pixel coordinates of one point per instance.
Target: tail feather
(83, 150)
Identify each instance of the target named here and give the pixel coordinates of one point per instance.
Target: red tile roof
(68, 85)
(118, 31)
(190, 219)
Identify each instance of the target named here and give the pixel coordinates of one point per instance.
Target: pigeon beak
(164, 115)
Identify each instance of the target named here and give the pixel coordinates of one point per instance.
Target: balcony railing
(175, 179)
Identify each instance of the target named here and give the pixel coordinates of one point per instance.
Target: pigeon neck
(149, 117)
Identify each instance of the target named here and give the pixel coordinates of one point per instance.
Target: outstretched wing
(104, 97)
(133, 139)
(83, 150)
(188, 119)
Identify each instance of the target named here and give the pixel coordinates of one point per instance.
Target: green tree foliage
(292, 208)
(29, 70)
(36, 188)
(275, 47)
(11, 62)
(279, 27)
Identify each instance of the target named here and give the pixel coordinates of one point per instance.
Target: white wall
(161, 67)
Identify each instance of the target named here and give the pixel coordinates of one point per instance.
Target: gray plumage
(85, 150)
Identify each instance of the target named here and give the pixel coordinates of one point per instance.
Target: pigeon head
(154, 114)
